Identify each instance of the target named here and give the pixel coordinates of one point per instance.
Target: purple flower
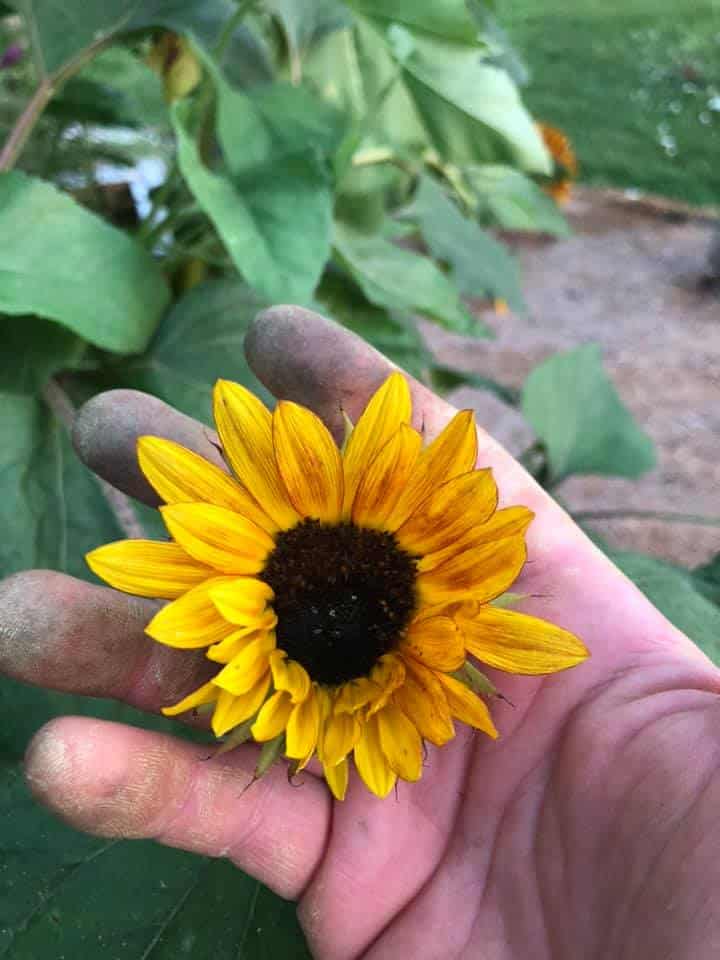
(12, 56)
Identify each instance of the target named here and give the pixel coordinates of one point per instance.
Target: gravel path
(630, 279)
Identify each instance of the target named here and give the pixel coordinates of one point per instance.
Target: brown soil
(631, 278)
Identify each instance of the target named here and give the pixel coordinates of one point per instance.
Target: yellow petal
(451, 454)
(436, 642)
(302, 728)
(290, 676)
(387, 674)
(422, 699)
(190, 621)
(242, 601)
(467, 706)
(337, 778)
(385, 479)
(181, 476)
(509, 522)
(246, 668)
(309, 462)
(519, 643)
(400, 742)
(218, 536)
(339, 734)
(147, 568)
(273, 717)
(480, 573)
(449, 513)
(388, 408)
(232, 711)
(355, 694)
(245, 427)
(207, 693)
(371, 762)
(227, 649)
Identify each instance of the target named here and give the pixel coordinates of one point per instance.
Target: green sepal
(348, 428)
(236, 737)
(507, 601)
(271, 751)
(477, 681)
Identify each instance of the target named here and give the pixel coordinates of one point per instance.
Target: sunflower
(339, 592)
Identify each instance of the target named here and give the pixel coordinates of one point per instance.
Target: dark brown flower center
(343, 596)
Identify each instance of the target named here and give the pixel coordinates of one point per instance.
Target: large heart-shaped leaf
(577, 413)
(479, 265)
(62, 262)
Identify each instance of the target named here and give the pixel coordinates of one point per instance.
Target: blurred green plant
(344, 155)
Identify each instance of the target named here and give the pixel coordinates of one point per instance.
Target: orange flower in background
(340, 592)
(566, 166)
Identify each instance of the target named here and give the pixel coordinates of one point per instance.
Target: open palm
(589, 830)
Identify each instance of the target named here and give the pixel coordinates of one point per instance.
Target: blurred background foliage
(172, 166)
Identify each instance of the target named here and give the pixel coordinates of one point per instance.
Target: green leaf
(445, 379)
(398, 279)
(511, 200)
(448, 20)
(672, 591)
(577, 413)
(273, 206)
(63, 894)
(61, 32)
(199, 341)
(472, 111)
(479, 265)
(64, 263)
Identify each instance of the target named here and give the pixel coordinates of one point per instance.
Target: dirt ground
(631, 279)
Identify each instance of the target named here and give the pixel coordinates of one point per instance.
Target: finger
(106, 431)
(63, 633)
(118, 781)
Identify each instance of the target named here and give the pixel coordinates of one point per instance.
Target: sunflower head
(341, 593)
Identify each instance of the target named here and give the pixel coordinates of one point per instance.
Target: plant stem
(25, 125)
(697, 518)
(47, 88)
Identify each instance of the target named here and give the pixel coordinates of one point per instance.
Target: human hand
(587, 830)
